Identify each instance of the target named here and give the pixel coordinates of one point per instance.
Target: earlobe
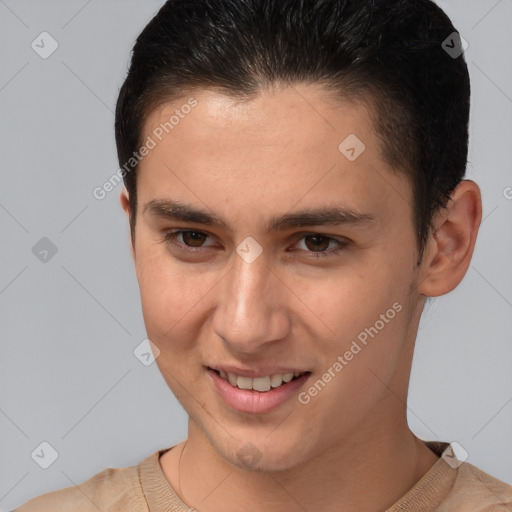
(451, 244)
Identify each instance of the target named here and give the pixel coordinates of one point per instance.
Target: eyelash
(170, 238)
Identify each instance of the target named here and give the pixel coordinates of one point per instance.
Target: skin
(246, 161)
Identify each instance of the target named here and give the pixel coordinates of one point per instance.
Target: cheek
(170, 296)
(357, 368)
(345, 301)
(363, 315)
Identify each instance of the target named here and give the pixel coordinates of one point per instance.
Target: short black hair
(386, 53)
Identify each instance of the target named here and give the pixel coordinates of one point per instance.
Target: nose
(251, 307)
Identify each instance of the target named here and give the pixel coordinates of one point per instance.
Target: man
(295, 193)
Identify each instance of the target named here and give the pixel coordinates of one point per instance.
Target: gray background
(69, 326)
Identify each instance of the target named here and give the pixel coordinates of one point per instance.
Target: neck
(382, 457)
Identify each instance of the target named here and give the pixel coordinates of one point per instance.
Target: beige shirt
(144, 488)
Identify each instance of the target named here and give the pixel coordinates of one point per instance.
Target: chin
(261, 455)
(263, 449)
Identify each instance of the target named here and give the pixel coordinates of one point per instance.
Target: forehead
(303, 116)
(296, 144)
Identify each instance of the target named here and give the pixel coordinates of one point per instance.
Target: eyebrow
(327, 216)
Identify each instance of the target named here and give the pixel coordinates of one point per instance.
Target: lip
(254, 373)
(252, 401)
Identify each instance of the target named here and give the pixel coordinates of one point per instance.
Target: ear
(450, 246)
(125, 202)
(125, 205)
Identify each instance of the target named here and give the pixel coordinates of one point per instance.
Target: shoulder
(475, 487)
(113, 489)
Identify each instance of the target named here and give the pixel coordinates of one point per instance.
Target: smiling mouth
(261, 384)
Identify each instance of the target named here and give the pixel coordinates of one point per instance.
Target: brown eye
(318, 242)
(316, 245)
(193, 238)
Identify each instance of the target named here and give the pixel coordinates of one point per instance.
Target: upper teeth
(259, 383)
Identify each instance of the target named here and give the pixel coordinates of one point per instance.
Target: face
(300, 258)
